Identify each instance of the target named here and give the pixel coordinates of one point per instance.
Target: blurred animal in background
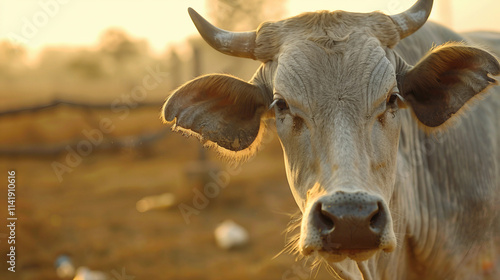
(390, 128)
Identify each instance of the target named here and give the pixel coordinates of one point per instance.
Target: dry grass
(91, 214)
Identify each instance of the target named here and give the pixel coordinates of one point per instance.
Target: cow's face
(336, 90)
(336, 107)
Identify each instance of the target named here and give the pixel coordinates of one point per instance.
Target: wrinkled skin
(355, 117)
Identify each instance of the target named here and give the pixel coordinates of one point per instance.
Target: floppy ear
(218, 108)
(444, 80)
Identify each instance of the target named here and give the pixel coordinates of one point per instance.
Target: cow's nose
(349, 221)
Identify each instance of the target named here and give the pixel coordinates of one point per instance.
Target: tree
(118, 44)
(12, 59)
(244, 14)
(126, 56)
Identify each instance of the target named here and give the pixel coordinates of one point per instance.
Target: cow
(390, 128)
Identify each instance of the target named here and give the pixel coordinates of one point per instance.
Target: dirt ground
(91, 214)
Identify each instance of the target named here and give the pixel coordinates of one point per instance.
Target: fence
(130, 142)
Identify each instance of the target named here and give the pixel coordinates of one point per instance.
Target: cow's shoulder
(485, 39)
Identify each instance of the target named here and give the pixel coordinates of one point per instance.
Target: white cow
(395, 180)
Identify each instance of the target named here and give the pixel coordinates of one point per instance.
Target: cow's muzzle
(354, 225)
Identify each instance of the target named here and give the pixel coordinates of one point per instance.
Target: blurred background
(101, 183)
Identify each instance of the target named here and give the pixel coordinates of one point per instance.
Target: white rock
(83, 273)
(230, 235)
(64, 267)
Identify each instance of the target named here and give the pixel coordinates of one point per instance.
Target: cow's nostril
(327, 222)
(325, 219)
(377, 221)
(373, 220)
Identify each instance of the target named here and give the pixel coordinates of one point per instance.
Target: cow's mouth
(336, 255)
(357, 255)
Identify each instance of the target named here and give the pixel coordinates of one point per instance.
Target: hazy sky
(37, 23)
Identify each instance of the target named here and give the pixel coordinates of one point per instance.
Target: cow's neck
(435, 217)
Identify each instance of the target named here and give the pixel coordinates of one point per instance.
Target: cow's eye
(395, 99)
(280, 103)
(392, 99)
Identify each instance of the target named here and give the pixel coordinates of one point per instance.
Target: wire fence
(60, 103)
(107, 144)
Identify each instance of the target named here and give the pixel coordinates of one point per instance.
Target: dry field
(91, 214)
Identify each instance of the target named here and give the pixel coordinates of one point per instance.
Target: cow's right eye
(280, 104)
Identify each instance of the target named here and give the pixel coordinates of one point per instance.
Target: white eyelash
(273, 103)
(400, 97)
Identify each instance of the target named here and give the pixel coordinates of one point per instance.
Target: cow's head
(336, 89)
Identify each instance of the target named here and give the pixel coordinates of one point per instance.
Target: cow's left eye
(392, 99)
(395, 100)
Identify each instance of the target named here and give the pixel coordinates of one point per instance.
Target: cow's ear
(218, 109)
(445, 80)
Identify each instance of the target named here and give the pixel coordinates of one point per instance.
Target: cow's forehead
(313, 74)
(273, 36)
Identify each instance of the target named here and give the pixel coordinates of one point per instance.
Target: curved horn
(240, 44)
(412, 19)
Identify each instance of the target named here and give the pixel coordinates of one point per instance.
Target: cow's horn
(412, 19)
(240, 44)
